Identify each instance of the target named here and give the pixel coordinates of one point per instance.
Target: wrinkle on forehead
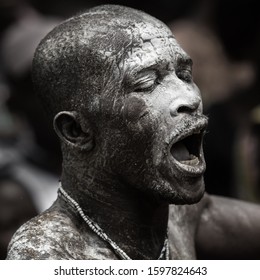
(152, 52)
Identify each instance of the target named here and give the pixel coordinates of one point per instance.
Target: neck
(133, 220)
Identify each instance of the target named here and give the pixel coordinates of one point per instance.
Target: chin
(188, 191)
(192, 190)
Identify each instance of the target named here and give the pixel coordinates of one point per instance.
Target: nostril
(185, 109)
(187, 106)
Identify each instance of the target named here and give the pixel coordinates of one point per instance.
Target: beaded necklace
(164, 255)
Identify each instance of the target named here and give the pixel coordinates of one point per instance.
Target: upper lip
(181, 133)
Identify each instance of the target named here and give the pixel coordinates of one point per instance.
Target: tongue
(180, 152)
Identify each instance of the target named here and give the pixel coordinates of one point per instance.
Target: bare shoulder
(53, 235)
(229, 229)
(43, 238)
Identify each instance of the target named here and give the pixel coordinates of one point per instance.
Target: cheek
(141, 121)
(134, 109)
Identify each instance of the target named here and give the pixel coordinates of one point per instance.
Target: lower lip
(191, 170)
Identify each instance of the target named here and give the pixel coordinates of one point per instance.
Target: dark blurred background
(222, 37)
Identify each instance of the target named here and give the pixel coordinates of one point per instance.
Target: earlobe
(69, 130)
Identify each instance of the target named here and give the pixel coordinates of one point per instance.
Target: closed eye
(147, 81)
(184, 74)
(184, 69)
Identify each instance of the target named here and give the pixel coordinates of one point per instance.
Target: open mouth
(188, 150)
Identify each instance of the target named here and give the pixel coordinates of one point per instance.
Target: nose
(186, 104)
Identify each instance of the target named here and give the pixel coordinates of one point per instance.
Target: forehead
(153, 44)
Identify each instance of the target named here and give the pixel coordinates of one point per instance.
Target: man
(130, 121)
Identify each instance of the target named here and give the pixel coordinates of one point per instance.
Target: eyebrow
(141, 70)
(181, 59)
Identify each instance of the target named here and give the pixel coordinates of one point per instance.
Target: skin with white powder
(130, 121)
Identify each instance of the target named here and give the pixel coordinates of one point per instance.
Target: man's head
(120, 90)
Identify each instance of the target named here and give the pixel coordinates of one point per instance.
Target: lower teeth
(193, 161)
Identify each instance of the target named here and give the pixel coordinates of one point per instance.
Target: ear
(69, 130)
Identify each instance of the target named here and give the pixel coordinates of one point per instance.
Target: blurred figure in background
(29, 152)
(248, 157)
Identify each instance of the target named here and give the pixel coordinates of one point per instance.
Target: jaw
(182, 163)
(180, 190)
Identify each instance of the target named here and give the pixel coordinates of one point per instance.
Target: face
(152, 135)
